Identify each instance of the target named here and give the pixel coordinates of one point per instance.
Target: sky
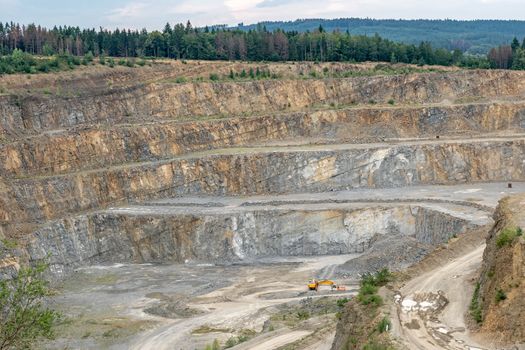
(153, 14)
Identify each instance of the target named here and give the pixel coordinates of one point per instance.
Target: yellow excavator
(314, 284)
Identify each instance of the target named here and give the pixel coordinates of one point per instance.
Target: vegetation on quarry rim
(187, 42)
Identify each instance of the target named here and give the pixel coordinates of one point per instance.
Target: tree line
(508, 56)
(471, 36)
(183, 41)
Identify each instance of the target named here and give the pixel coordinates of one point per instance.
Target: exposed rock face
(101, 146)
(502, 281)
(66, 158)
(226, 237)
(28, 115)
(45, 198)
(398, 250)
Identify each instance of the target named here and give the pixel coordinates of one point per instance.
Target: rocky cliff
(500, 298)
(221, 235)
(262, 171)
(29, 114)
(75, 144)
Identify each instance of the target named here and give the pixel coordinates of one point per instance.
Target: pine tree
(515, 44)
(518, 60)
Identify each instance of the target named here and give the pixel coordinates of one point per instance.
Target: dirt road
(281, 340)
(423, 321)
(244, 308)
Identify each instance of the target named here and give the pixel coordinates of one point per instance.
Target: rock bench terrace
(129, 167)
(64, 156)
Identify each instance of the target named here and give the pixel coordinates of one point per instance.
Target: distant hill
(471, 36)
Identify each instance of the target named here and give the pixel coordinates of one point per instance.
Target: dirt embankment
(499, 303)
(429, 287)
(359, 326)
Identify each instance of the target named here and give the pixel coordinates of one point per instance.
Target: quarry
(182, 212)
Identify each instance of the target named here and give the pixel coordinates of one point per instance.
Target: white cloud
(153, 14)
(127, 12)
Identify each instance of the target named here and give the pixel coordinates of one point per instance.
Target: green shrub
(43, 67)
(370, 299)
(21, 62)
(475, 307)
(24, 315)
(368, 288)
(500, 295)
(384, 325)
(382, 277)
(507, 236)
(379, 279)
(245, 336)
(89, 57)
(242, 338)
(342, 302)
(230, 343)
(391, 102)
(303, 315)
(9, 243)
(368, 278)
(214, 77)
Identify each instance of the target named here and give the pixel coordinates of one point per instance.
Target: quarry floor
(107, 306)
(188, 306)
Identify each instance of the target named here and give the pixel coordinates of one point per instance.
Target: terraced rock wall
(66, 157)
(21, 115)
(100, 146)
(36, 200)
(229, 237)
